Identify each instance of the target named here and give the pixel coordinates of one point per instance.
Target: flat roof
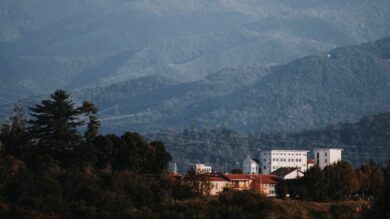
(286, 150)
(329, 149)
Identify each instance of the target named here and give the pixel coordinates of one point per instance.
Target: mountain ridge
(340, 85)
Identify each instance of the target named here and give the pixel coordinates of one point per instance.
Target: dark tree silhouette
(54, 125)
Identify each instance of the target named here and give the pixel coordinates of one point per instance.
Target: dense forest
(225, 149)
(56, 165)
(341, 85)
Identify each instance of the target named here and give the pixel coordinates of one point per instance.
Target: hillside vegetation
(57, 165)
(341, 85)
(225, 149)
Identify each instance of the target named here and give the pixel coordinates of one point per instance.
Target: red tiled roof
(269, 179)
(265, 179)
(256, 183)
(310, 161)
(236, 177)
(216, 179)
(176, 175)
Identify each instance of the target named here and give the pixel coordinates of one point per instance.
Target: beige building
(264, 184)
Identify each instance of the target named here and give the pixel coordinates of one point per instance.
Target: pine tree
(93, 125)
(18, 136)
(54, 125)
(18, 120)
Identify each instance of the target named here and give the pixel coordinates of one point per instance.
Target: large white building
(201, 168)
(326, 156)
(271, 160)
(250, 165)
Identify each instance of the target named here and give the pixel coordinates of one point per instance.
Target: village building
(271, 160)
(288, 173)
(250, 165)
(217, 184)
(264, 184)
(202, 168)
(327, 156)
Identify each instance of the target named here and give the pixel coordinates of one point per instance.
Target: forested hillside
(226, 149)
(341, 85)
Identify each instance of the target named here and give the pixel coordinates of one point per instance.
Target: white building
(250, 165)
(288, 173)
(271, 160)
(201, 168)
(326, 156)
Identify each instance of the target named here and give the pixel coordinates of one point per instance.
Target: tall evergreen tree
(93, 125)
(54, 125)
(18, 120)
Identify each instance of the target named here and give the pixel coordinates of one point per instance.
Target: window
(265, 160)
(264, 167)
(326, 161)
(326, 154)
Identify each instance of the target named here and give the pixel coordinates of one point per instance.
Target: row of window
(284, 160)
(291, 154)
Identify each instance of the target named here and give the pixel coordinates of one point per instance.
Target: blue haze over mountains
(242, 64)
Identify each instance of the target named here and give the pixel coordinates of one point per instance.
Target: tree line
(56, 164)
(339, 182)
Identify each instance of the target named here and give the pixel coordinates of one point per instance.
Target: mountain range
(54, 44)
(257, 66)
(315, 91)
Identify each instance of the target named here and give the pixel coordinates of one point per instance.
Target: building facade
(286, 173)
(250, 165)
(201, 168)
(327, 156)
(217, 184)
(263, 184)
(271, 160)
